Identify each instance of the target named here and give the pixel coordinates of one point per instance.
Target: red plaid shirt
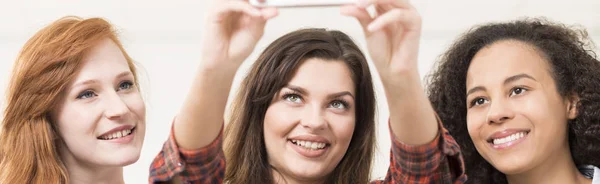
(437, 162)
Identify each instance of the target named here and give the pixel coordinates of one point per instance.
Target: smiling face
(101, 117)
(516, 117)
(309, 124)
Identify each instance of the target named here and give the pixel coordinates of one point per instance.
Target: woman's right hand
(233, 28)
(232, 31)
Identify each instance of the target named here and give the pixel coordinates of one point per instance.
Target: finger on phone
(269, 12)
(361, 14)
(390, 17)
(394, 3)
(239, 6)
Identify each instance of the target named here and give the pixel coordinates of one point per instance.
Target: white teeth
(509, 138)
(310, 145)
(116, 135)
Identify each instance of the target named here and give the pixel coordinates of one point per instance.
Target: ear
(572, 102)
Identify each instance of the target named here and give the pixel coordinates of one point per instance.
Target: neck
(559, 168)
(283, 178)
(80, 172)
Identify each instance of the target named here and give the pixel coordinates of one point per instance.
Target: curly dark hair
(574, 68)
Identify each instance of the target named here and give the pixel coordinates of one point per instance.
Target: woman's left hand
(392, 35)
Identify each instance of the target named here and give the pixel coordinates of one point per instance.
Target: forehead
(104, 59)
(503, 59)
(319, 73)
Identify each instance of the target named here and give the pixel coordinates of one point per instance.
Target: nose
(499, 112)
(313, 118)
(115, 106)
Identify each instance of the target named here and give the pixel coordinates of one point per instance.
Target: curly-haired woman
(521, 98)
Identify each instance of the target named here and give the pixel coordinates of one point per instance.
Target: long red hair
(47, 63)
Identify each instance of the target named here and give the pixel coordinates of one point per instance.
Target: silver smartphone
(299, 3)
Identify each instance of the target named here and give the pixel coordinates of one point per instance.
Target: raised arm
(231, 33)
(422, 151)
(393, 42)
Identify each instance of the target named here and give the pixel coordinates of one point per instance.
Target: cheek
(75, 121)
(543, 107)
(475, 122)
(547, 114)
(279, 119)
(343, 128)
(136, 104)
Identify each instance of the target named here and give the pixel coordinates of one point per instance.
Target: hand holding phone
(299, 3)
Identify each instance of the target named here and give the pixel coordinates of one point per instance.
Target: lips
(508, 133)
(309, 146)
(507, 138)
(118, 132)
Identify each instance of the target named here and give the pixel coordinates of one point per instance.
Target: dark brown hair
(574, 68)
(247, 159)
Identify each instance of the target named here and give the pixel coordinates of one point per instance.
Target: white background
(164, 38)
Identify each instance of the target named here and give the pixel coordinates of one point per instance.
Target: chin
(310, 173)
(512, 166)
(123, 158)
(124, 161)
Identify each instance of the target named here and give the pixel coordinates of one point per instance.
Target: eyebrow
(517, 77)
(92, 81)
(303, 91)
(506, 81)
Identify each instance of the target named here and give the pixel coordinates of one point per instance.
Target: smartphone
(299, 3)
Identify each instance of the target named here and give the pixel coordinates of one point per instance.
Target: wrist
(218, 64)
(400, 78)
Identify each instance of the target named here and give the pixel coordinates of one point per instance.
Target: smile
(510, 138)
(507, 139)
(309, 144)
(117, 134)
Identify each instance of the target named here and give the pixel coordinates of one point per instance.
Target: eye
(125, 85)
(294, 98)
(517, 91)
(339, 104)
(86, 94)
(478, 101)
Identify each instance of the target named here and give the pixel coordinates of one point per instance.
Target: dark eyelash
(472, 103)
(519, 87)
(131, 84)
(290, 93)
(84, 93)
(344, 102)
